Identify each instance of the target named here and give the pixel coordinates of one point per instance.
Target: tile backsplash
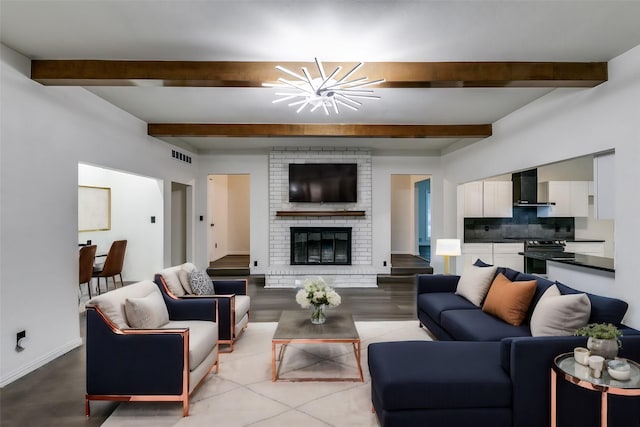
(524, 224)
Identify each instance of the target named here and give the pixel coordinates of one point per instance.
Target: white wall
(134, 199)
(45, 133)
(239, 211)
(569, 123)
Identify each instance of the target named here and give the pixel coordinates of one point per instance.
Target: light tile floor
(242, 394)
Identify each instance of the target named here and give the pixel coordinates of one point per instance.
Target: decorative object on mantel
(326, 91)
(604, 339)
(317, 295)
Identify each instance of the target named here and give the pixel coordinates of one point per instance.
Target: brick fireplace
(282, 272)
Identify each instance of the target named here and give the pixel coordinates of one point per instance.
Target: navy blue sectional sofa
(482, 371)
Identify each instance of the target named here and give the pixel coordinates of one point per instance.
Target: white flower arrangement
(316, 292)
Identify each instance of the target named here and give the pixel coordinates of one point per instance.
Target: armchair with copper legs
(233, 301)
(143, 347)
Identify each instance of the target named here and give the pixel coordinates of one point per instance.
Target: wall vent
(180, 156)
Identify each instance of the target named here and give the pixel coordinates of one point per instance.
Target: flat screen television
(323, 182)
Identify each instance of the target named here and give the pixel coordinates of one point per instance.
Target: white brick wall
(280, 272)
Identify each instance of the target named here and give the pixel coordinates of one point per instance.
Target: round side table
(568, 369)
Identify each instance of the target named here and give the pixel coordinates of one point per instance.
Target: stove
(538, 245)
(539, 266)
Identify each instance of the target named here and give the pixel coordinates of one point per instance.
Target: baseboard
(39, 362)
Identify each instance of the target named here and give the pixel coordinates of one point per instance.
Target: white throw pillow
(559, 315)
(148, 312)
(172, 280)
(184, 277)
(475, 282)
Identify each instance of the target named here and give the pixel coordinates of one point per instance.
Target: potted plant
(604, 339)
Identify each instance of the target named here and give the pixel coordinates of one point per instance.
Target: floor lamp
(447, 248)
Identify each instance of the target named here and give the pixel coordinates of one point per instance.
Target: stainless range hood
(525, 189)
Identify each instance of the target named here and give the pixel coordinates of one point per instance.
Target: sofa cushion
(184, 274)
(438, 375)
(242, 305)
(148, 312)
(509, 301)
(474, 283)
(557, 315)
(603, 309)
(434, 304)
(201, 283)
(475, 325)
(203, 337)
(111, 303)
(542, 285)
(170, 276)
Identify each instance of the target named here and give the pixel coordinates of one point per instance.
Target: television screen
(323, 182)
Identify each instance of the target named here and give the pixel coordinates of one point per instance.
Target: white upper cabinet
(603, 186)
(498, 199)
(473, 194)
(571, 198)
(492, 199)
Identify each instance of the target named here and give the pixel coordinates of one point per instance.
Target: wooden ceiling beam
(317, 130)
(253, 74)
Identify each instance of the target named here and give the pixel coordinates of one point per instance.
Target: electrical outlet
(384, 263)
(255, 263)
(20, 340)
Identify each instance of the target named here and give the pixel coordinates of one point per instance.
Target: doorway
(228, 208)
(411, 215)
(178, 223)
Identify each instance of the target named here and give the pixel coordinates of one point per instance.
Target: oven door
(535, 266)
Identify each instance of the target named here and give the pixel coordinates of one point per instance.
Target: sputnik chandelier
(329, 92)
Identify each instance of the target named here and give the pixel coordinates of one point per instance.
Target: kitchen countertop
(521, 240)
(581, 260)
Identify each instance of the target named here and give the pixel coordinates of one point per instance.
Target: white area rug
(242, 393)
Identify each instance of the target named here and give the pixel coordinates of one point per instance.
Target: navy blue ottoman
(439, 383)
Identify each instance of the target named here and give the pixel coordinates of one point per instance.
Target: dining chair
(112, 266)
(87, 258)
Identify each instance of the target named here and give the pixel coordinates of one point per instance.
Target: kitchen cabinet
(571, 198)
(497, 199)
(506, 255)
(473, 194)
(471, 252)
(488, 199)
(500, 254)
(587, 248)
(604, 186)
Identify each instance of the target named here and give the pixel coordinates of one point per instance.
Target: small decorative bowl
(619, 369)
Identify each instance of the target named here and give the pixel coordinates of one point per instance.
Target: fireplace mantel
(320, 213)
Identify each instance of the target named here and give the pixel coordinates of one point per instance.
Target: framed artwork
(94, 208)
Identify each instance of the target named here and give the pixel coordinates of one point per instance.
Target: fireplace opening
(320, 245)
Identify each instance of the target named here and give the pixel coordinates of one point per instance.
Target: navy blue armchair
(232, 297)
(141, 348)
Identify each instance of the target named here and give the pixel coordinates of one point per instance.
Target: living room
(52, 129)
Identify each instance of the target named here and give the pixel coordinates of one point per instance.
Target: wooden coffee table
(295, 327)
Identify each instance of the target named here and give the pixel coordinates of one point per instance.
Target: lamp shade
(448, 247)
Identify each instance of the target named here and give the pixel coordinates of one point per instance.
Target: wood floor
(54, 394)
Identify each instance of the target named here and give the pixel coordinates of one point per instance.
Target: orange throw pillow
(509, 300)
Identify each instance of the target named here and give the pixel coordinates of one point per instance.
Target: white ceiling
(346, 30)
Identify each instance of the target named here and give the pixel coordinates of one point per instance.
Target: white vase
(605, 348)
